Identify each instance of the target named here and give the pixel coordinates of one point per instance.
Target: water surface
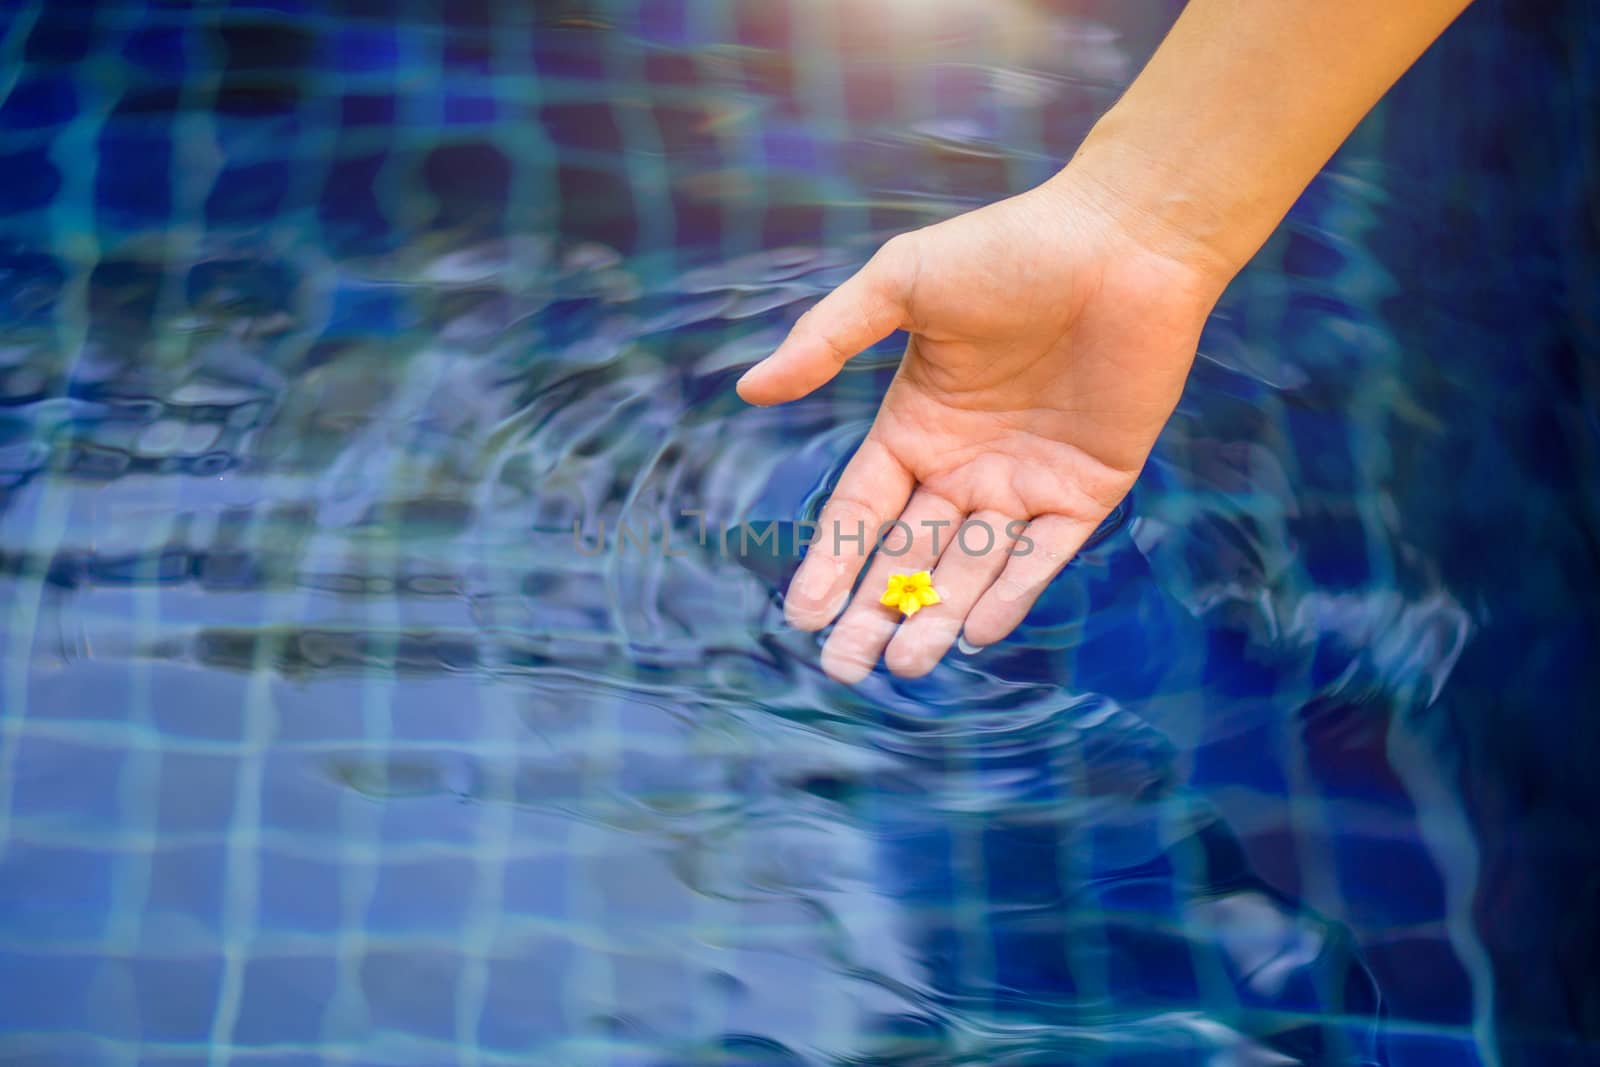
(324, 740)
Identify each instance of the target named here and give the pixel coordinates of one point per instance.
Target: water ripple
(366, 529)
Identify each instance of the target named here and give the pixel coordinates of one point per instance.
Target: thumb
(863, 311)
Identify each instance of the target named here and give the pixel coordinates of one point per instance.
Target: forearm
(1238, 110)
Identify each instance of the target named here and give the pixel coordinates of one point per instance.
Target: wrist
(1179, 213)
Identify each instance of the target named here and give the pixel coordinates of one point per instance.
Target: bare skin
(1051, 333)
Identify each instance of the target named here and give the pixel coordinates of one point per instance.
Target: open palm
(1047, 350)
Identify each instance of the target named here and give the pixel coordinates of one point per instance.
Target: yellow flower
(910, 592)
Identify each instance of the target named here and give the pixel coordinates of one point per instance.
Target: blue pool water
(322, 740)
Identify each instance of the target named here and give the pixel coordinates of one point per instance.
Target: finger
(1047, 545)
(863, 311)
(871, 492)
(979, 550)
(867, 625)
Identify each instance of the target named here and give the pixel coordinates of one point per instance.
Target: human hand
(1048, 347)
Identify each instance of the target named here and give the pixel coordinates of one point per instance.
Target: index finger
(872, 492)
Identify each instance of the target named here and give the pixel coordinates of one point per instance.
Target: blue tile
(367, 110)
(1371, 867)
(1422, 979)
(461, 109)
(412, 992)
(55, 893)
(366, 50)
(29, 181)
(284, 1000)
(39, 103)
(177, 998)
(423, 896)
(160, 49)
(61, 35)
(189, 882)
(70, 785)
(248, 194)
(524, 1003)
(299, 894)
(133, 183)
(352, 218)
(196, 794)
(44, 993)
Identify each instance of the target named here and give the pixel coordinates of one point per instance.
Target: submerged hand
(1047, 349)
